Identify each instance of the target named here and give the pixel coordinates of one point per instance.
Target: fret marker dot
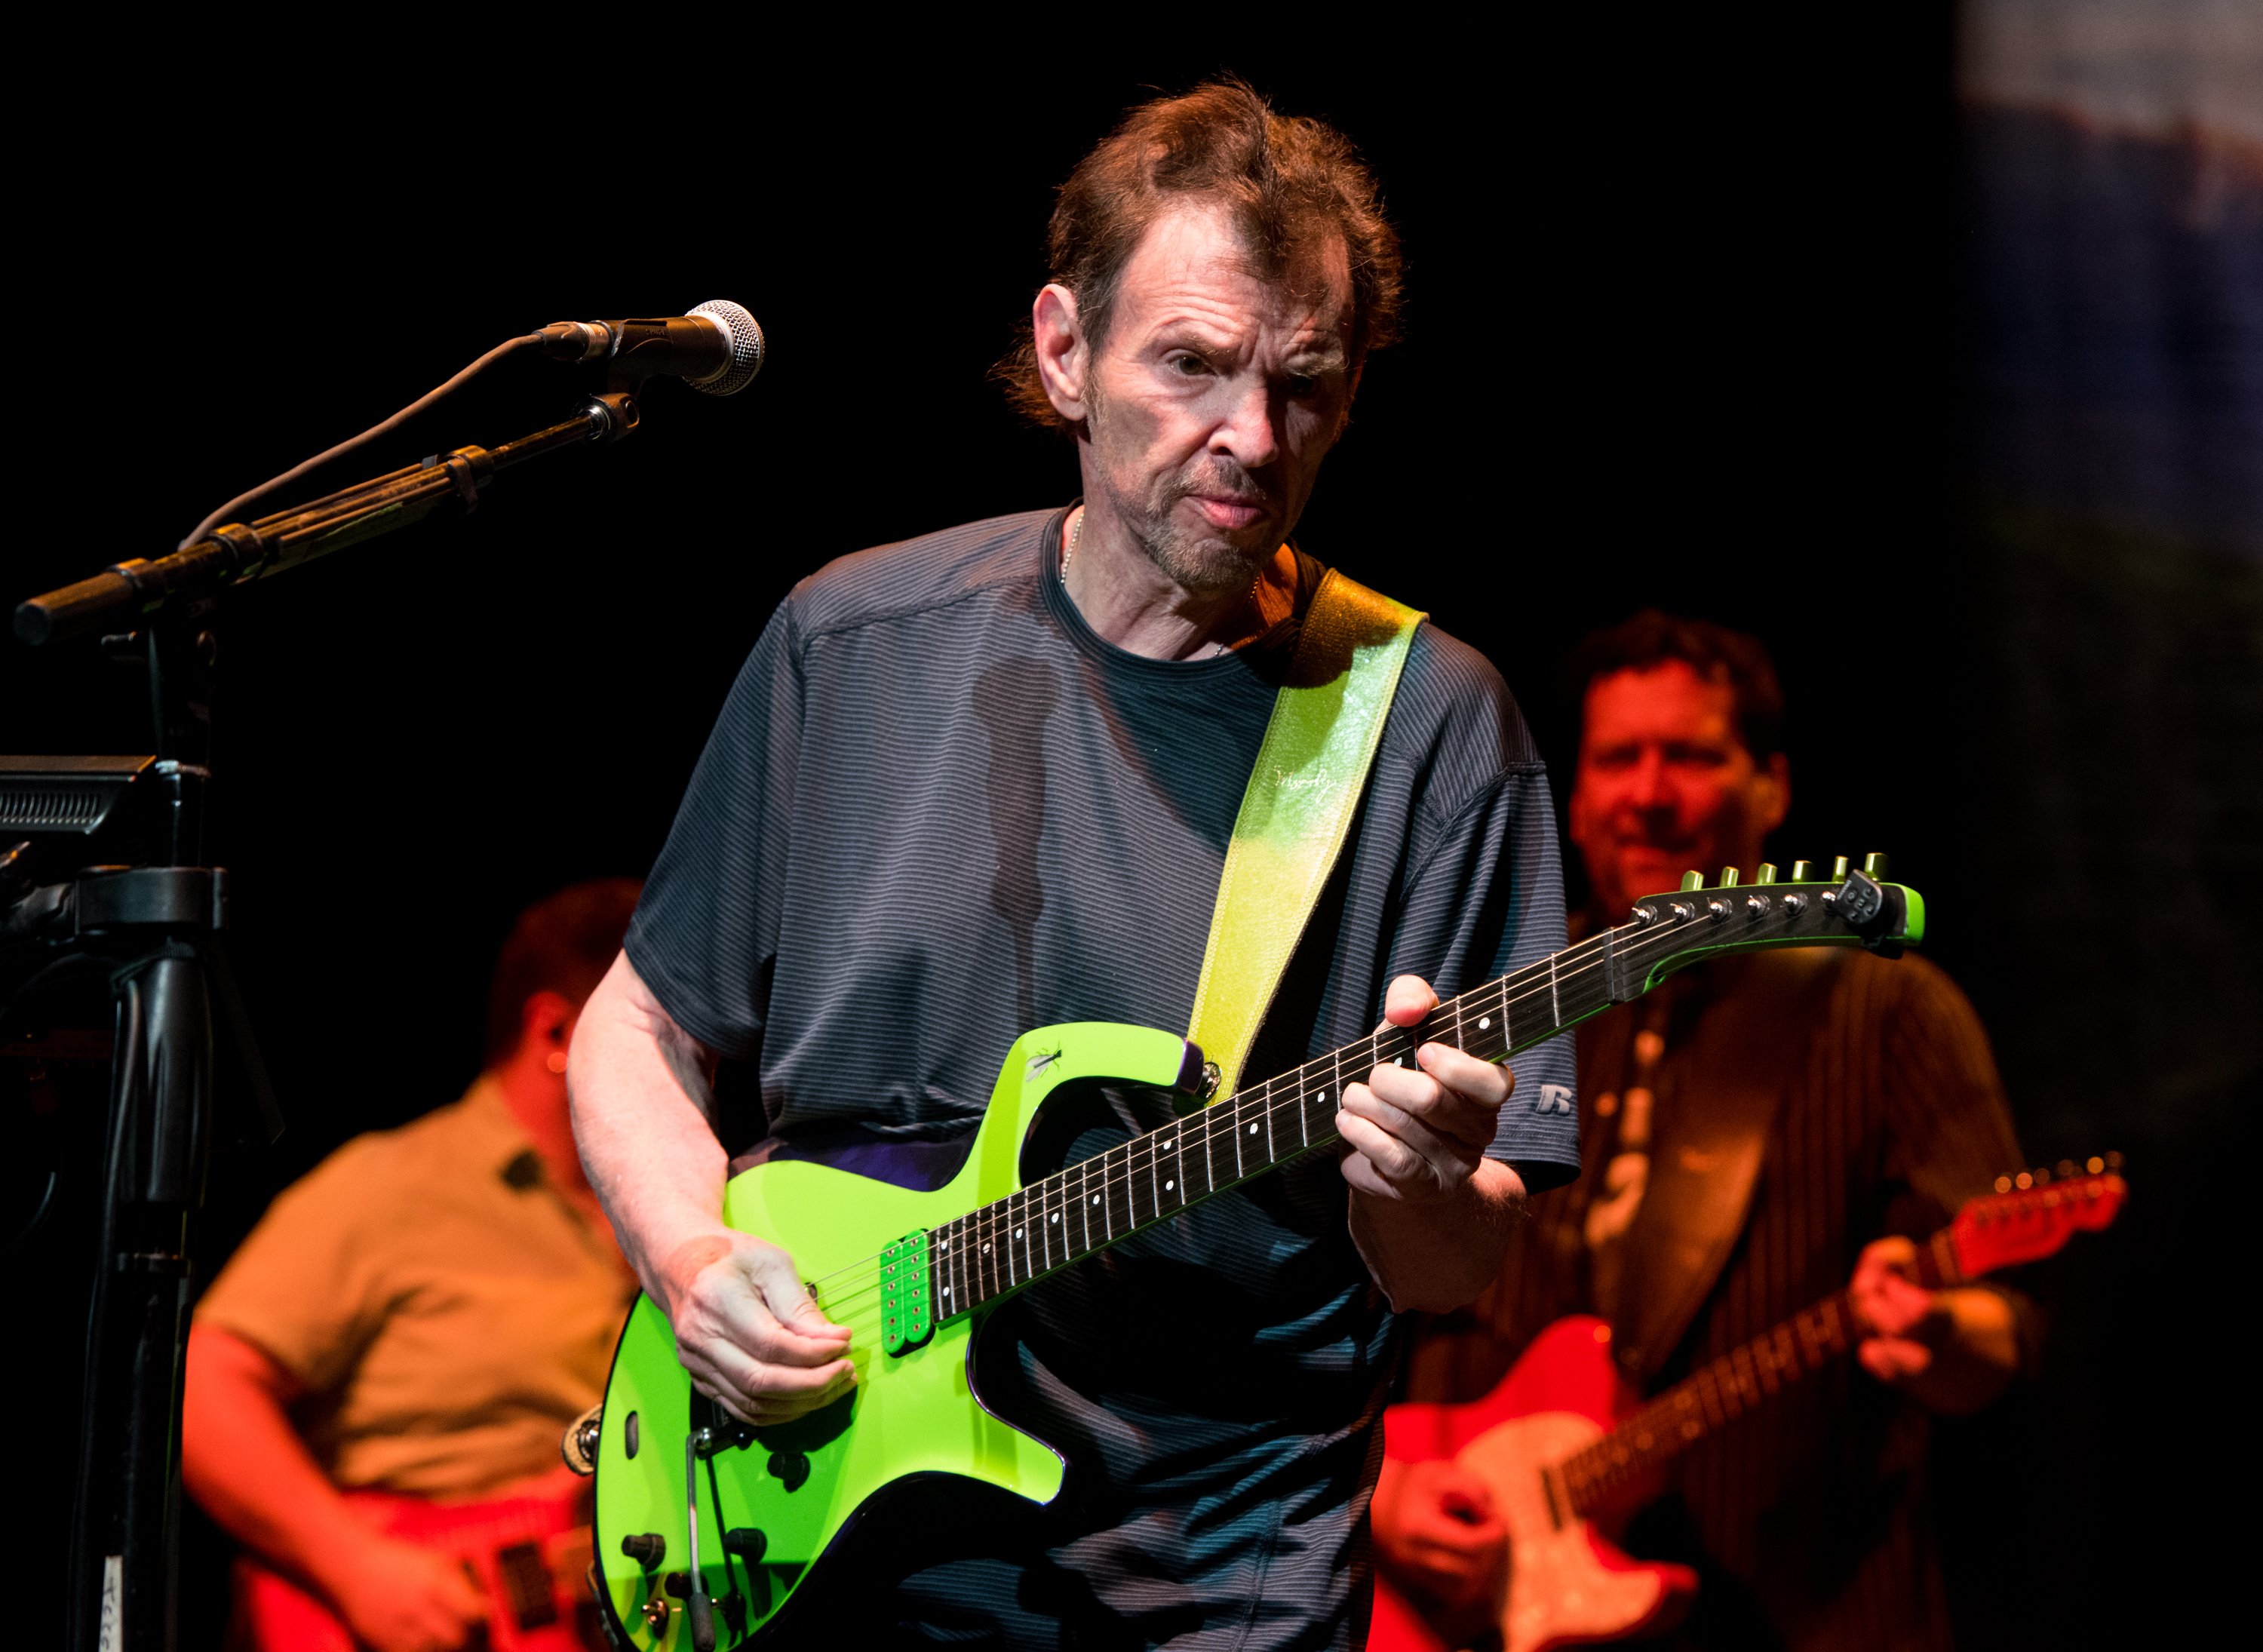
(986, 1246)
(1095, 1198)
(1166, 1184)
(1056, 1216)
(1018, 1232)
(1253, 1129)
(946, 1290)
(1484, 1021)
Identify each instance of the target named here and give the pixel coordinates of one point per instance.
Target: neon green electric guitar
(708, 1528)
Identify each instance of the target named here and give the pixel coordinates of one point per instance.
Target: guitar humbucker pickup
(906, 1294)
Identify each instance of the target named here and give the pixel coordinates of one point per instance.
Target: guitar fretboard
(1100, 1201)
(1597, 1477)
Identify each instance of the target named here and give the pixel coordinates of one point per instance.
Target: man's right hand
(748, 1332)
(1438, 1538)
(397, 1597)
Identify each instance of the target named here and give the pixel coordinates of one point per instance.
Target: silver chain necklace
(1075, 533)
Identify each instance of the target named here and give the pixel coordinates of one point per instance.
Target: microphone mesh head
(746, 336)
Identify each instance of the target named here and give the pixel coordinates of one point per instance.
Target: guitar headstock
(2030, 1215)
(1852, 908)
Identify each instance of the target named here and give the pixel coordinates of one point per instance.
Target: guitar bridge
(906, 1294)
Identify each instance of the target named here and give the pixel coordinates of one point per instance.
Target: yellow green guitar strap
(1311, 771)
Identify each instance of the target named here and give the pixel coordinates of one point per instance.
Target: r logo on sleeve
(1553, 1098)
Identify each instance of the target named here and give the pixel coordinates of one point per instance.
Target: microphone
(717, 349)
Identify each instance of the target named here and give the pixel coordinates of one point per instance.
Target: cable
(353, 442)
(125, 1065)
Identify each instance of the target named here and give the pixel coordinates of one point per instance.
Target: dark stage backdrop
(1684, 329)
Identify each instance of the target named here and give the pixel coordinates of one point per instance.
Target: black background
(1683, 330)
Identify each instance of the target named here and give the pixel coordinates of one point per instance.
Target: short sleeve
(1486, 897)
(307, 1287)
(705, 936)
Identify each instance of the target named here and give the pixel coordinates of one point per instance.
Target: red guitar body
(529, 1554)
(1567, 1585)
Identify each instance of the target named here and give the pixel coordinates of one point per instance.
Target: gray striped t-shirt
(938, 810)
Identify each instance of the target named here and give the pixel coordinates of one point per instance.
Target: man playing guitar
(984, 780)
(378, 1379)
(1750, 1126)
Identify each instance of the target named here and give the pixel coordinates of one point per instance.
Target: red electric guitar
(1564, 1440)
(529, 1554)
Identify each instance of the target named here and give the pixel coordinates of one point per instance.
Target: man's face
(1665, 785)
(1212, 399)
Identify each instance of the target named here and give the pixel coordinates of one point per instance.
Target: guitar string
(1209, 1123)
(1048, 1197)
(988, 1222)
(1498, 983)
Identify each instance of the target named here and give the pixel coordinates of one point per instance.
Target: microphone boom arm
(233, 553)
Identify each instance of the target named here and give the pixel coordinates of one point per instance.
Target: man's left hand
(1418, 1133)
(1906, 1323)
(1952, 1350)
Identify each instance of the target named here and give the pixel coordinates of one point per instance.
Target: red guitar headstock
(2030, 1215)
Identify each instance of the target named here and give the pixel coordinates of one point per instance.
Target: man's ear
(546, 1020)
(1064, 357)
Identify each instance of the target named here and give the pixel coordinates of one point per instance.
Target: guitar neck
(1103, 1200)
(1739, 1381)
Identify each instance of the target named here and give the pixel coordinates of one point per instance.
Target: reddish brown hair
(1653, 638)
(562, 943)
(1293, 186)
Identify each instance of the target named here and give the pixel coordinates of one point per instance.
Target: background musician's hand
(1418, 1133)
(1439, 1540)
(1953, 1350)
(1904, 1321)
(748, 1332)
(397, 1597)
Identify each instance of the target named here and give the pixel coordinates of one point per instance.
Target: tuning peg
(1802, 870)
(1874, 864)
(1839, 869)
(1693, 879)
(1728, 877)
(1767, 874)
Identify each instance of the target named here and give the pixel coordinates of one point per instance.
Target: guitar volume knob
(647, 1549)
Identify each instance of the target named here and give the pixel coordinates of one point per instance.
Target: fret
(949, 1272)
(1084, 1202)
(1238, 1171)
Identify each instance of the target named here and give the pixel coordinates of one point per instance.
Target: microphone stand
(236, 553)
(157, 926)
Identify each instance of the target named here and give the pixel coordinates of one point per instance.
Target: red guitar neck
(1596, 1479)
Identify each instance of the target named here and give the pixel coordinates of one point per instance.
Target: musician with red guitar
(1757, 1134)
(379, 1379)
